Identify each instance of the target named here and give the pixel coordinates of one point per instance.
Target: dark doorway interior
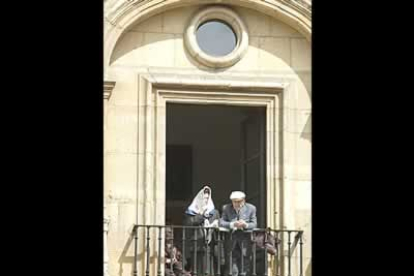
(217, 145)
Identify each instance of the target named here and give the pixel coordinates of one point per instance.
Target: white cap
(237, 195)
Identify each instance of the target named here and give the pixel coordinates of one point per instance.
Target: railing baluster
(211, 259)
(183, 249)
(159, 250)
(219, 245)
(148, 251)
(265, 254)
(253, 241)
(276, 257)
(295, 243)
(231, 254)
(242, 272)
(300, 255)
(206, 265)
(135, 250)
(289, 256)
(172, 252)
(195, 253)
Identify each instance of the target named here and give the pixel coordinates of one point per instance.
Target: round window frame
(227, 16)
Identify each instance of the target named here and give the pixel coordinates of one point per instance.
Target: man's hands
(240, 224)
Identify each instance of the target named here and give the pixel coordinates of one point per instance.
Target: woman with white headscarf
(201, 212)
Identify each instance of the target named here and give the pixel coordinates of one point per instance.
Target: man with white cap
(237, 217)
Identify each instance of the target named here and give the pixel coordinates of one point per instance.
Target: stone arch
(120, 15)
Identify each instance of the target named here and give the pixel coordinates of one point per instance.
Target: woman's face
(206, 196)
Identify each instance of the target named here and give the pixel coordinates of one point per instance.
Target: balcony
(176, 250)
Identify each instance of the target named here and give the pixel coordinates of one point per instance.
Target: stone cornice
(108, 87)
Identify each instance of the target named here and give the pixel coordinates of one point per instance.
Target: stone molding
(108, 88)
(155, 90)
(226, 15)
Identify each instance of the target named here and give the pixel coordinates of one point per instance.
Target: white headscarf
(198, 203)
(197, 207)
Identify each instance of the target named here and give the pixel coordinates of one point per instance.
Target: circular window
(216, 37)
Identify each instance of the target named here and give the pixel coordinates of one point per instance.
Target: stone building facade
(154, 67)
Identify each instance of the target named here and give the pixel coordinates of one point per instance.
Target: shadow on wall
(308, 271)
(305, 79)
(258, 46)
(132, 40)
(124, 259)
(307, 129)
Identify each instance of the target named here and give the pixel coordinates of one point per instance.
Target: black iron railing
(199, 251)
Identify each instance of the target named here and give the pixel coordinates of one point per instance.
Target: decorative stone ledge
(108, 87)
